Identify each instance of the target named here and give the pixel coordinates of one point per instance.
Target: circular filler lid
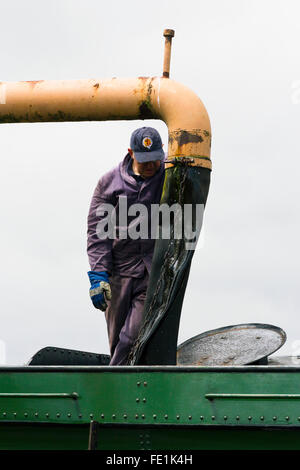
(231, 345)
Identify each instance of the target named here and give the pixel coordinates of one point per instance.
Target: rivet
(137, 400)
(25, 414)
(80, 416)
(258, 337)
(47, 415)
(287, 418)
(113, 416)
(35, 414)
(213, 417)
(147, 436)
(143, 416)
(225, 417)
(69, 415)
(262, 418)
(274, 418)
(136, 416)
(4, 414)
(145, 384)
(249, 417)
(177, 417)
(102, 415)
(298, 418)
(237, 418)
(166, 416)
(15, 414)
(138, 384)
(91, 415)
(58, 415)
(201, 417)
(154, 416)
(142, 442)
(190, 417)
(125, 416)
(144, 400)
(147, 442)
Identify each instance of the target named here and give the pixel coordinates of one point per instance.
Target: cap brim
(143, 157)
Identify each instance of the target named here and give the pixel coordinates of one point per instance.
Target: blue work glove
(100, 289)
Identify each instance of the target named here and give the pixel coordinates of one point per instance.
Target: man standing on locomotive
(120, 265)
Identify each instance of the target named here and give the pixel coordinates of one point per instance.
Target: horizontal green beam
(212, 396)
(73, 395)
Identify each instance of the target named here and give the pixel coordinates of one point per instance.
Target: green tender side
(150, 407)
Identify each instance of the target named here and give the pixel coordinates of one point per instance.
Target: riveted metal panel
(249, 396)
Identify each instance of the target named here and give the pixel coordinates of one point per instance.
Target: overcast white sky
(242, 59)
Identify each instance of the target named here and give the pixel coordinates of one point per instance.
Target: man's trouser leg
(124, 314)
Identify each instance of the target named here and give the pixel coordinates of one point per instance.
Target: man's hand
(100, 289)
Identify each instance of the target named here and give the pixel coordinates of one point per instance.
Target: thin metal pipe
(168, 34)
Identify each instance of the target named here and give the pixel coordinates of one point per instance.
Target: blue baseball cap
(146, 144)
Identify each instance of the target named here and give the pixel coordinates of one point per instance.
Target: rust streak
(32, 82)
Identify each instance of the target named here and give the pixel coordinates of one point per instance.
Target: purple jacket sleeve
(99, 250)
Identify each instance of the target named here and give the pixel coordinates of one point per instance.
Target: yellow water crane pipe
(115, 99)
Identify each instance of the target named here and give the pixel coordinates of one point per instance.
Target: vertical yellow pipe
(168, 34)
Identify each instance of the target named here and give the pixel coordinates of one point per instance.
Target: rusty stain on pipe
(115, 99)
(33, 83)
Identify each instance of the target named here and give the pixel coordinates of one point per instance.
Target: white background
(242, 59)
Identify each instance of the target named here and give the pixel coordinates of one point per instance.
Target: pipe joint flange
(186, 161)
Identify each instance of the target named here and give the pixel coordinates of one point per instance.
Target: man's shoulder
(110, 175)
(108, 183)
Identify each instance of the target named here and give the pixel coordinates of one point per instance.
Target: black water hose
(157, 340)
